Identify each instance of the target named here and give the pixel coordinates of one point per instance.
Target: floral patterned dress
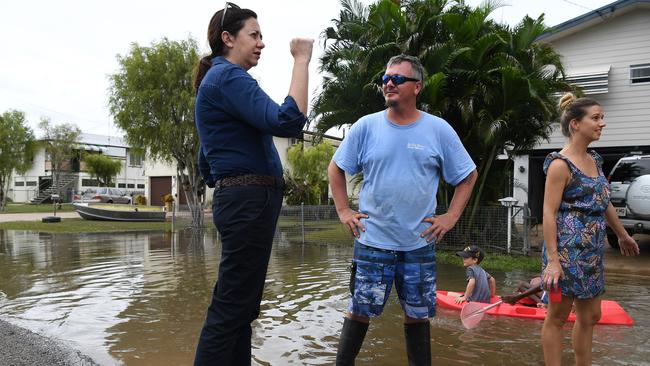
(581, 230)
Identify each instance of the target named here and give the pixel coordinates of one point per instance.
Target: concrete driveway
(36, 216)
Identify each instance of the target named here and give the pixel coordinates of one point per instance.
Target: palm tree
(492, 83)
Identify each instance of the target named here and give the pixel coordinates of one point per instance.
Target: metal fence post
(526, 215)
(302, 220)
(173, 215)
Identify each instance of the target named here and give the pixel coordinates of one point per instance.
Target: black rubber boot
(352, 336)
(418, 343)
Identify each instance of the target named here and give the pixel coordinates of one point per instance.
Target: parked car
(104, 195)
(630, 184)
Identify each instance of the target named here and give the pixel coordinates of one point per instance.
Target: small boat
(115, 212)
(612, 312)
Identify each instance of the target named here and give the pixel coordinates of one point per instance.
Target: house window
(121, 185)
(640, 73)
(90, 182)
(140, 186)
(19, 184)
(135, 159)
(130, 185)
(32, 183)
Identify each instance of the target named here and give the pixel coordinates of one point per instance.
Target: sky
(56, 55)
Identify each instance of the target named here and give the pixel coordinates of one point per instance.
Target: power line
(579, 5)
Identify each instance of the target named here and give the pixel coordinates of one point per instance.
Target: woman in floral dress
(576, 211)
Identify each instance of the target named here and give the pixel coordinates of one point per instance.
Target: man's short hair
(416, 65)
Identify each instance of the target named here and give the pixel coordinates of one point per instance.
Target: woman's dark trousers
(245, 217)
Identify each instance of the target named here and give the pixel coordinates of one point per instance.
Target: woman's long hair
(232, 23)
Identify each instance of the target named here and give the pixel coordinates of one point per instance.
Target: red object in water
(555, 295)
(612, 312)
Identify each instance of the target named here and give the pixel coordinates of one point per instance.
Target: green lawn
(501, 262)
(29, 208)
(84, 226)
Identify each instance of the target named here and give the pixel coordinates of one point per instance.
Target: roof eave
(592, 18)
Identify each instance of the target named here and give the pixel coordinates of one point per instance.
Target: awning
(592, 80)
(86, 147)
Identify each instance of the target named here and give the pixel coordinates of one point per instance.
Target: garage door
(160, 186)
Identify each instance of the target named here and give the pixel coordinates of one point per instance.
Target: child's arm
(493, 286)
(471, 283)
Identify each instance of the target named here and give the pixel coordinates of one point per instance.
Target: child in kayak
(480, 285)
(539, 298)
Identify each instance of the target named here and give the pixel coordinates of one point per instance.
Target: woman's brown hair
(573, 108)
(232, 23)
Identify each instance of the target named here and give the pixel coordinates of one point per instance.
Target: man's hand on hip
(350, 218)
(440, 225)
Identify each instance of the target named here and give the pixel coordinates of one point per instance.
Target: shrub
(140, 200)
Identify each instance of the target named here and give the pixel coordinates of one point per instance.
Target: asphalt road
(20, 347)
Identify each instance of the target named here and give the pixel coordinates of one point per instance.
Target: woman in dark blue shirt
(236, 121)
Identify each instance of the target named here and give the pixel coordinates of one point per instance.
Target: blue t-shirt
(236, 121)
(481, 291)
(401, 167)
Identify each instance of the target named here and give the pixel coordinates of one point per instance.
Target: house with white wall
(162, 178)
(131, 178)
(607, 53)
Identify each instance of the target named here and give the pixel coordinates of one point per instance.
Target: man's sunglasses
(397, 79)
(225, 9)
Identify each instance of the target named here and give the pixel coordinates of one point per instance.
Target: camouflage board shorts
(373, 272)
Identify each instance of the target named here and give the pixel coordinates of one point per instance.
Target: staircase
(66, 181)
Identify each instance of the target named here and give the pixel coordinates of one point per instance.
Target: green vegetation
(151, 98)
(61, 145)
(492, 261)
(29, 208)
(84, 226)
(307, 178)
(493, 83)
(103, 168)
(17, 145)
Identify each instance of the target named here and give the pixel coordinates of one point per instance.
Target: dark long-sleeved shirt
(236, 121)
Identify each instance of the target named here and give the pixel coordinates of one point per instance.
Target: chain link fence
(488, 229)
(320, 225)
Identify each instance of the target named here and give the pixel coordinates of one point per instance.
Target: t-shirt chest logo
(414, 146)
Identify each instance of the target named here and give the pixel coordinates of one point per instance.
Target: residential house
(33, 185)
(162, 176)
(607, 53)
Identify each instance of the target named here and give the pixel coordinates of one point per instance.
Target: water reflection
(140, 299)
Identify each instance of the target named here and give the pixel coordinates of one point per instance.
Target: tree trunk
(483, 174)
(191, 184)
(4, 188)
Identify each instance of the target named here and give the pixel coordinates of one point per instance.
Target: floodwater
(140, 299)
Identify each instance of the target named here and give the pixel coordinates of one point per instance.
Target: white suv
(630, 183)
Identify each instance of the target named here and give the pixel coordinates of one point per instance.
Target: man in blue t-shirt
(402, 153)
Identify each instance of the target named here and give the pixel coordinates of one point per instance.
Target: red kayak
(612, 312)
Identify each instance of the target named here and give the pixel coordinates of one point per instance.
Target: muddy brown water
(140, 299)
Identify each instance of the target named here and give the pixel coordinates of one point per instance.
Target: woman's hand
(627, 245)
(552, 274)
(301, 49)
(459, 299)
